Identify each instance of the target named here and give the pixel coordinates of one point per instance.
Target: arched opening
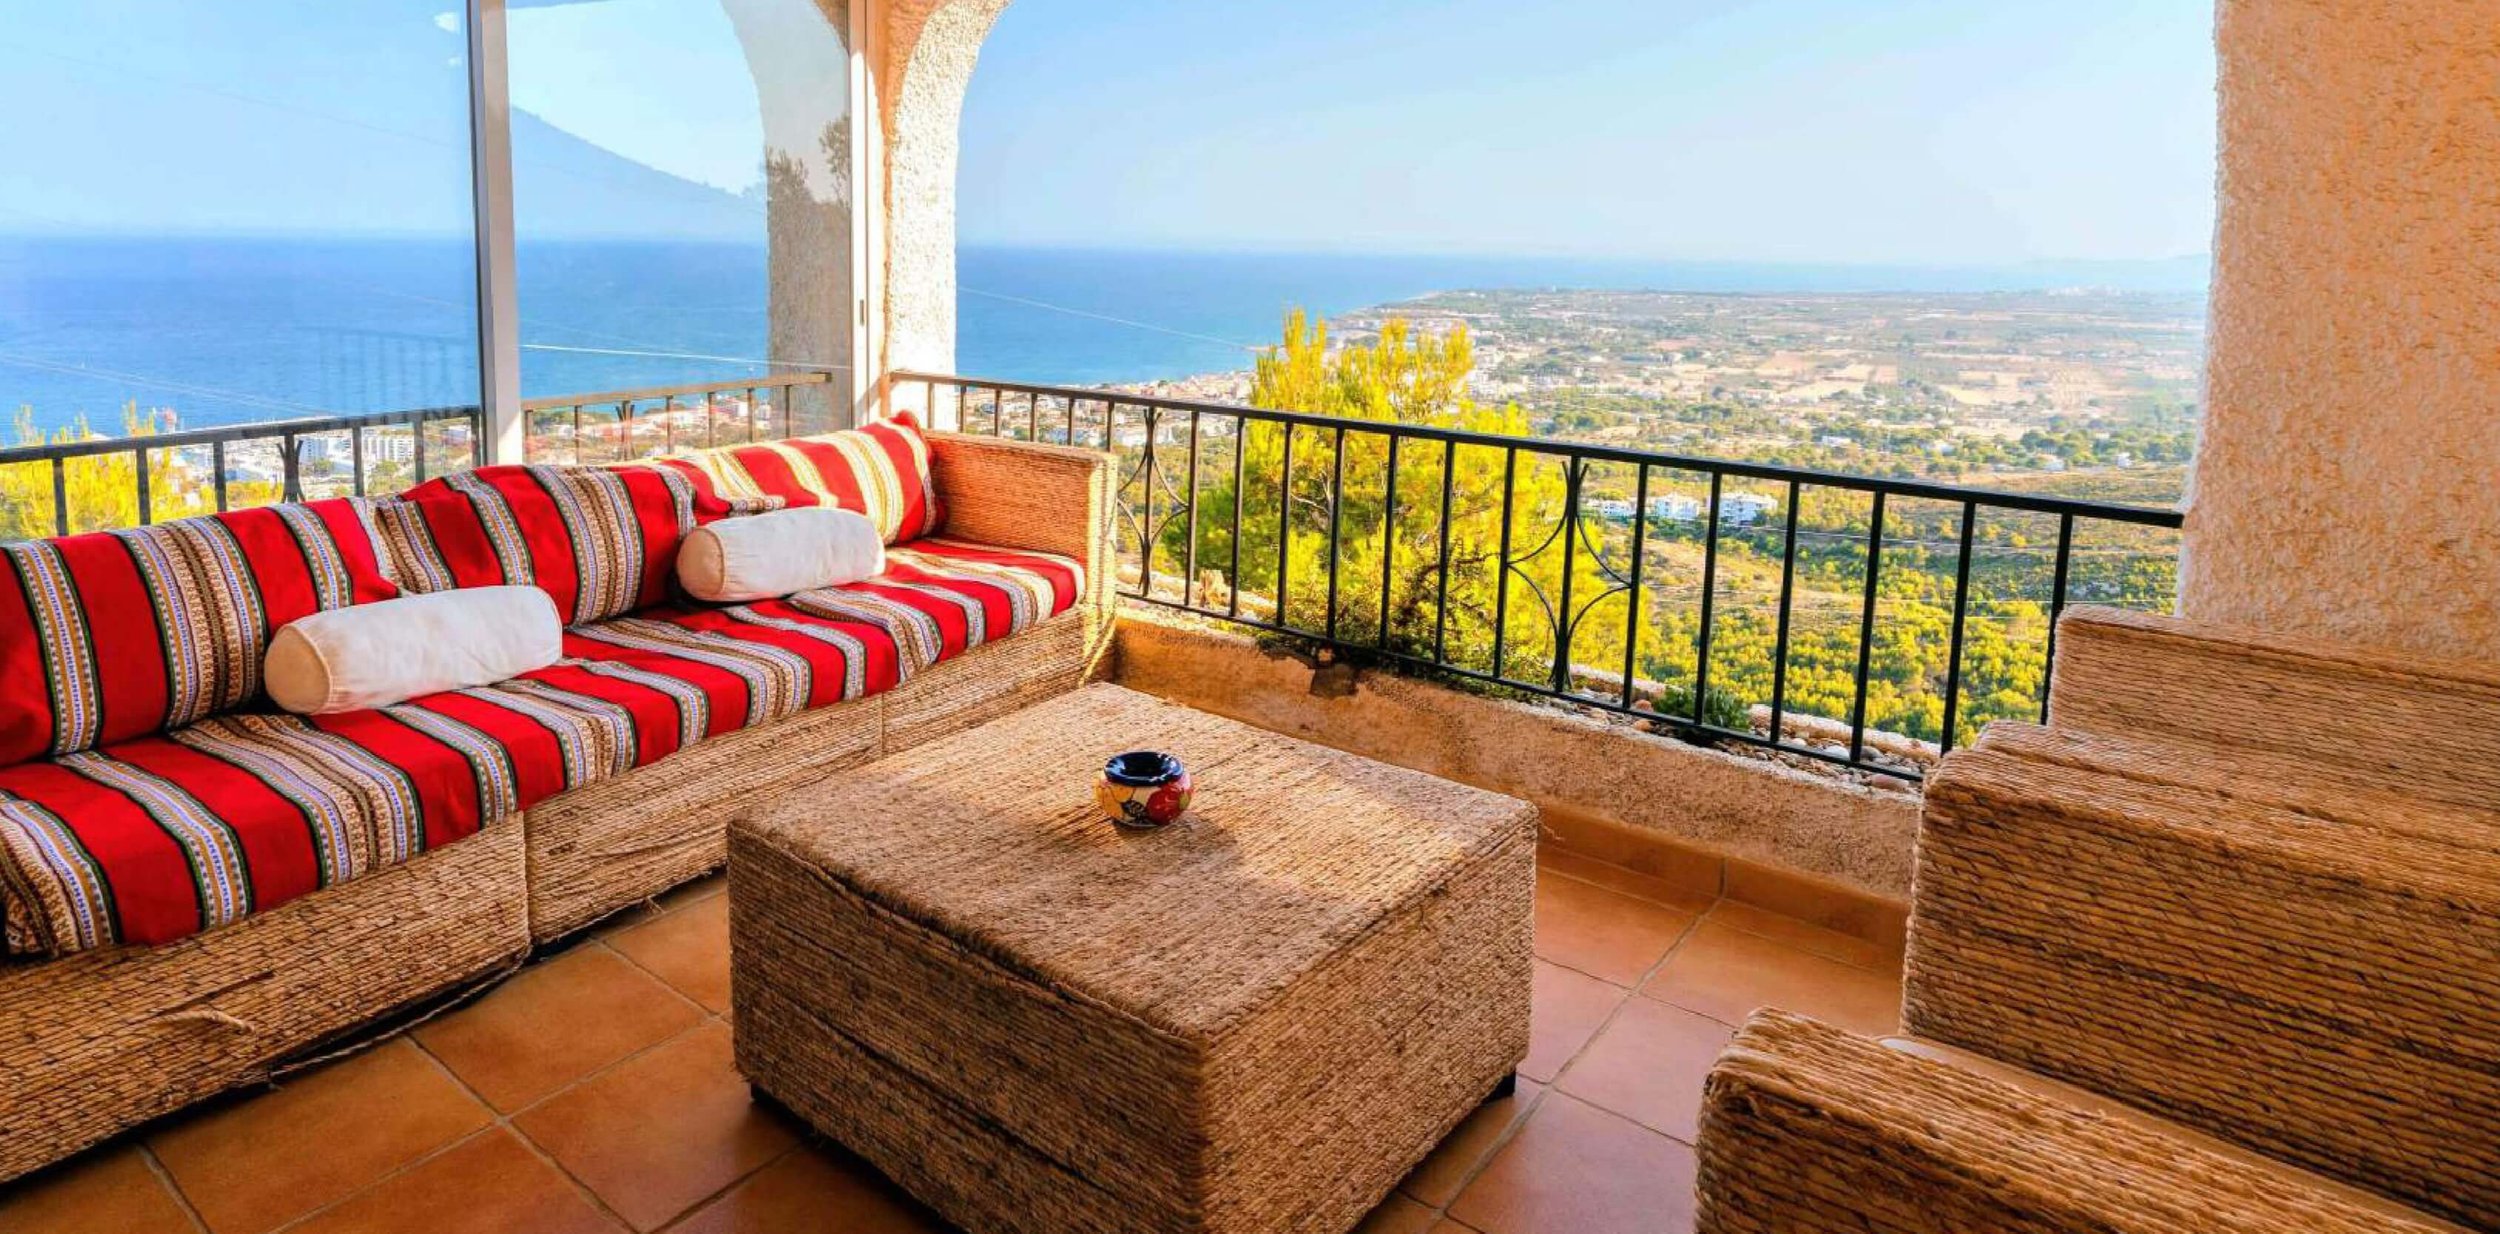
(1765, 312)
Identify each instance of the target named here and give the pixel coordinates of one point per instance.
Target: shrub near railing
(1844, 606)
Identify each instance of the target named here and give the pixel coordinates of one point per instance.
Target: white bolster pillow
(390, 651)
(787, 551)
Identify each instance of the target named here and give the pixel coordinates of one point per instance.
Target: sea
(209, 330)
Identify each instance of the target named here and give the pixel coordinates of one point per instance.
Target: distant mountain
(571, 188)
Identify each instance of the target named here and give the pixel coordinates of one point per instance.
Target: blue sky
(1927, 131)
(350, 115)
(272, 115)
(1908, 131)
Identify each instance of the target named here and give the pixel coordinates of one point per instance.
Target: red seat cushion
(602, 541)
(745, 665)
(155, 839)
(116, 634)
(945, 597)
(151, 840)
(880, 470)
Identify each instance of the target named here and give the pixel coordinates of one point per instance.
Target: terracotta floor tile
(1565, 1010)
(703, 888)
(1576, 1169)
(318, 1137)
(1725, 973)
(661, 1132)
(688, 948)
(1398, 1215)
(1697, 873)
(554, 1023)
(1649, 1065)
(1616, 878)
(814, 1188)
(488, 1184)
(1812, 939)
(624, 919)
(1819, 901)
(1602, 933)
(1437, 1180)
(112, 1192)
(1447, 1226)
(661, 905)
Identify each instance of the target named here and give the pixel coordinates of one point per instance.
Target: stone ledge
(1655, 804)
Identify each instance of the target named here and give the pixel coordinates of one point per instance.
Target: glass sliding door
(681, 188)
(223, 214)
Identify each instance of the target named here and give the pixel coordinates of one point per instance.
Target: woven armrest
(1016, 494)
(2255, 777)
(2426, 726)
(1808, 1128)
(2314, 982)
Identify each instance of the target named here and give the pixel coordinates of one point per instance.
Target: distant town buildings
(1735, 509)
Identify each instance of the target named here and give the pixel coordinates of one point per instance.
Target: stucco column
(2348, 483)
(931, 49)
(797, 53)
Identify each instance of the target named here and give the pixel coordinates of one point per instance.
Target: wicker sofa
(98, 1038)
(2216, 951)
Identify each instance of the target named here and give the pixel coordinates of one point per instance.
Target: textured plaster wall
(2348, 483)
(930, 50)
(1591, 770)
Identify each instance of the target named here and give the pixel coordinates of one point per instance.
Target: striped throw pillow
(602, 541)
(111, 635)
(881, 470)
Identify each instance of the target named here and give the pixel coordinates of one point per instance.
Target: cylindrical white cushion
(778, 554)
(373, 655)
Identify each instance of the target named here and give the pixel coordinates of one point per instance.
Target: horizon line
(1261, 249)
(1225, 248)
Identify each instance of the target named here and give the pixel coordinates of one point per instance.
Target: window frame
(490, 181)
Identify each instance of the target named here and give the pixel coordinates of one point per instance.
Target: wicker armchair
(2249, 887)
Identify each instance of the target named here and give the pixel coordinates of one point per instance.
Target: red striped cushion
(710, 502)
(881, 470)
(155, 839)
(116, 634)
(602, 541)
(152, 840)
(941, 598)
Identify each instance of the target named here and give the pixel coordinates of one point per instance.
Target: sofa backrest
(111, 635)
(602, 541)
(880, 470)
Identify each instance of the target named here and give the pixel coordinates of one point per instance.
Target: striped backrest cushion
(117, 634)
(602, 541)
(710, 503)
(881, 470)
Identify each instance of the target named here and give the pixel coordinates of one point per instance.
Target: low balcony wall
(1707, 821)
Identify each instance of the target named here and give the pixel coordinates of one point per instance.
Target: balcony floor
(594, 1092)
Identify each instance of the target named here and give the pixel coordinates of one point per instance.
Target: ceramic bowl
(1143, 788)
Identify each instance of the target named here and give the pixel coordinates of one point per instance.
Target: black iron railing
(146, 477)
(1861, 621)
(622, 425)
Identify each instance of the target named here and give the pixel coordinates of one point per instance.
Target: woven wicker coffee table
(1257, 1019)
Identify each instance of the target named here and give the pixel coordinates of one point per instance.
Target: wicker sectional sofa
(2213, 951)
(177, 977)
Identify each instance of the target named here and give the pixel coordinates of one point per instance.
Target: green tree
(1388, 558)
